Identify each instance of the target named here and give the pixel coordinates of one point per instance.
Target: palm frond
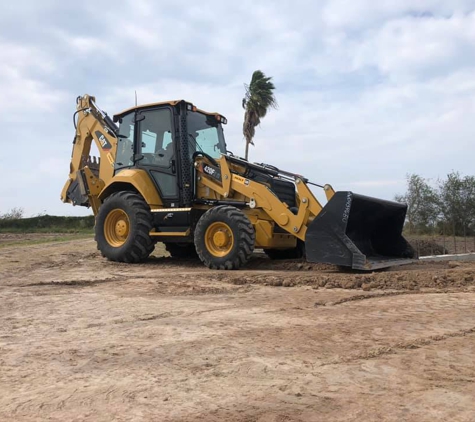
(258, 98)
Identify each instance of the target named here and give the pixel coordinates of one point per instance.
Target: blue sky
(367, 91)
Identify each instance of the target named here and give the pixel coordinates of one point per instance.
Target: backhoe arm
(87, 176)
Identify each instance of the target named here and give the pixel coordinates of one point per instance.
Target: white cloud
(416, 47)
(22, 88)
(87, 45)
(376, 183)
(361, 14)
(21, 57)
(20, 93)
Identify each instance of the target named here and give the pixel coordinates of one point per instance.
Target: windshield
(206, 135)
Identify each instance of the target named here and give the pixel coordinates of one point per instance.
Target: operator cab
(163, 139)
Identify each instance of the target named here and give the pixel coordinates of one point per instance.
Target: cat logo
(210, 170)
(105, 144)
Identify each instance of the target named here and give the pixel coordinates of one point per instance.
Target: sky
(368, 91)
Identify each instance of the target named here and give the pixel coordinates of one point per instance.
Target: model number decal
(210, 170)
(214, 172)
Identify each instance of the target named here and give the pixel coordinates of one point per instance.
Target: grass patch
(45, 239)
(49, 230)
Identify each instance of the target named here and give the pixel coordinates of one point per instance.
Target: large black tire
(122, 228)
(224, 238)
(181, 250)
(292, 253)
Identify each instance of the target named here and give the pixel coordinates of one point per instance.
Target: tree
(13, 214)
(258, 99)
(422, 203)
(450, 206)
(457, 201)
(468, 202)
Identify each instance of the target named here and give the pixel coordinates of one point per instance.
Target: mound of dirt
(417, 276)
(258, 262)
(427, 247)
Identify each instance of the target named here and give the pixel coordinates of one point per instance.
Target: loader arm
(260, 196)
(87, 177)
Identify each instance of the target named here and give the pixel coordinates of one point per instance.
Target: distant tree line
(13, 214)
(444, 207)
(13, 221)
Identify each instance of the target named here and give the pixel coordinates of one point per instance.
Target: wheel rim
(116, 227)
(219, 239)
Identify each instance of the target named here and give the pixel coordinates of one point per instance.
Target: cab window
(205, 134)
(155, 138)
(125, 143)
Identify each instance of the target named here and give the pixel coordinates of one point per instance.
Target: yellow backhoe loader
(164, 175)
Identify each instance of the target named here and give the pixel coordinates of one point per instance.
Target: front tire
(224, 238)
(122, 228)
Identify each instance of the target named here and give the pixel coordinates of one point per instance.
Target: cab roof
(171, 103)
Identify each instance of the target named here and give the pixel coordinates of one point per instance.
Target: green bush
(47, 223)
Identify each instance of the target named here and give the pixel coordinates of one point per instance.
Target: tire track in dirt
(77, 283)
(143, 318)
(356, 298)
(400, 347)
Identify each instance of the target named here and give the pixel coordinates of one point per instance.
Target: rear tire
(181, 250)
(224, 238)
(122, 228)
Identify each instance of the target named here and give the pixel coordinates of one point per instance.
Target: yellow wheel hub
(116, 227)
(219, 239)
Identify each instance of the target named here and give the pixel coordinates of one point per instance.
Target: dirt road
(83, 339)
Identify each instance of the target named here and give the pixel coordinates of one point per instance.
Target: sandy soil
(83, 339)
(14, 239)
(25, 237)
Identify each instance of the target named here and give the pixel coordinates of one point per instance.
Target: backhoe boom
(88, 177)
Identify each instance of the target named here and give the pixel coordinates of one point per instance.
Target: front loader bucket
(359, 232)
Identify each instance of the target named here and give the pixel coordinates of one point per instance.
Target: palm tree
(259, 97)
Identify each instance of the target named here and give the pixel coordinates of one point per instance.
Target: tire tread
(142, 245)
(245, 239)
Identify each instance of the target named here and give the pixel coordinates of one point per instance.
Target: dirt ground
(7, 238)
(83, 339)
